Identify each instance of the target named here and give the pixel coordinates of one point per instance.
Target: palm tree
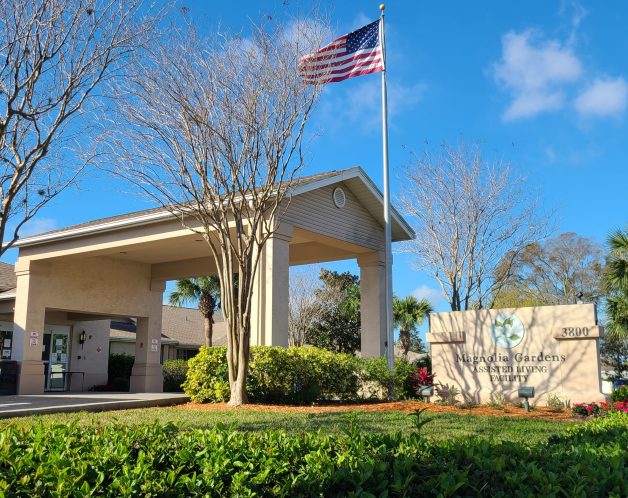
(205, 290)
(408, 314)
(616, 281)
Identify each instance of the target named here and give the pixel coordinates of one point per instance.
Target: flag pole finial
(382, 6)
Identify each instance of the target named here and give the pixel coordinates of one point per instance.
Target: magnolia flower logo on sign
(507, 330)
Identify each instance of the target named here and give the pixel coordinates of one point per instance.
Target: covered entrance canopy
(118, 267)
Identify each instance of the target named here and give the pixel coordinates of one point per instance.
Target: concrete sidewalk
(19, 406)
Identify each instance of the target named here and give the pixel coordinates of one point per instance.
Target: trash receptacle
(9, 370)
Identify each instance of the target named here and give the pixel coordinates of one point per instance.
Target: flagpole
(387, 231)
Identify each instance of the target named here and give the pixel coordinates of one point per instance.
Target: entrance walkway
(20, 406)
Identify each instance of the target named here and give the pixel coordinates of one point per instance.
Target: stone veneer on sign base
(491, 352)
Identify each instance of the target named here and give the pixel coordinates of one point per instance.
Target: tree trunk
(209, 329)
(238, 381)
(404, 335)
(238, 392)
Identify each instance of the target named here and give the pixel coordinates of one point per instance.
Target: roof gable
(355, 178)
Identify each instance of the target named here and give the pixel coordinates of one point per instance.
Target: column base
(147, 378)
(31, 377)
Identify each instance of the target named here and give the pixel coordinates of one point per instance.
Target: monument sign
(489, 352)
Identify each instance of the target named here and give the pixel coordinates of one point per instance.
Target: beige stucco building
(80, 361)
(487, 353)
(118, 267)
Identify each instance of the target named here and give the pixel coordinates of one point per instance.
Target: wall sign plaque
(487, 352)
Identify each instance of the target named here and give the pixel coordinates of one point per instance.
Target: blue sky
(541, 84)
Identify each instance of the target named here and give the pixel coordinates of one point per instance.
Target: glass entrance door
(58, 353)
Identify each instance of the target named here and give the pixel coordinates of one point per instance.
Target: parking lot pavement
(16, 406)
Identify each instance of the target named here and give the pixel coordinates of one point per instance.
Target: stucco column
(372, 304)
(269, 318)
(28, 330)
(147, 376)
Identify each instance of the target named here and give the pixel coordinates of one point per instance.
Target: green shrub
(620, 394)
(555, 403)
(207, 376)
(119, 371)
(375, 371)
(301, 375)
(498, 400)
(165, 460)
(174, 372)
(276, 375)
(446, 394)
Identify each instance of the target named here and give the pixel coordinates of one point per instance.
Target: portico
(118, 267)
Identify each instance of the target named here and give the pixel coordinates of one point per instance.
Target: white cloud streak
(361, 104)
(434, 296)
(37, 226)
(603, 98)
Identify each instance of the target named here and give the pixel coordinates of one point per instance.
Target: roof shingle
(185, 326)
(8, 279)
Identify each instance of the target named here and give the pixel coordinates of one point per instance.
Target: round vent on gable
(339, 197)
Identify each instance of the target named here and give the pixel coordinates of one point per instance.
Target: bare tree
(213, 130)
(54, 57)
(470, 216)
(305, 306)
(563, 270)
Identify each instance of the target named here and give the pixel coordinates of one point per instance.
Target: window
(186, 354)
(6, 344)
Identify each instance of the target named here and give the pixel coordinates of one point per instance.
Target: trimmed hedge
(155, 460)
(277, 375)
(119, 371)
(298, 375)
(174, 372)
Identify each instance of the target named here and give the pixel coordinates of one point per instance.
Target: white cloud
(434, 296)
(528, 105)
(361, 104)
(361, 19)
(535, 71)
(603, 97)
(37, 226)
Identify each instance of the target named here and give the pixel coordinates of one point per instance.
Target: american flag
(355, 54)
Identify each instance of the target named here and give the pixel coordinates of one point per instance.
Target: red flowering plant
(423, 377)
(599, 409)
(423, 381)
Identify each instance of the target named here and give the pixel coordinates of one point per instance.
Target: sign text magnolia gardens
(499, 367)
(507, 332)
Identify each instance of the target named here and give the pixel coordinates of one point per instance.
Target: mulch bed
(397, 406)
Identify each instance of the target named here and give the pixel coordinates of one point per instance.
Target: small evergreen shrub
(301, 375)
(620, 394)
(119, 371)
(554, 403)
(174, 372)
(207, 377)
(498, 400)
(375, 371)
(446, 394)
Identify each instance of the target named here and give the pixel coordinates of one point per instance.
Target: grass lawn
(443, 426)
